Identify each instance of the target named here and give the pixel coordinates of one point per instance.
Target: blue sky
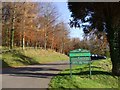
(65, 16)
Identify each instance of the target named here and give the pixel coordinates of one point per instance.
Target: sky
(65, 16)
(62, 7)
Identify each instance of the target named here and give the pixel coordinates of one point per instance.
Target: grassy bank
(30, 56)
(101, 77)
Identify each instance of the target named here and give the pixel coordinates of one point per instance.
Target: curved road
(32, 76)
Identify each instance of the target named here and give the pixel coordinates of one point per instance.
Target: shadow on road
(4, 64)
(38, 71)
(48, 70)
(54, 64)
(25, 73)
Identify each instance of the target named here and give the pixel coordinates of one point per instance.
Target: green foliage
(101, 77)
(107, 53)
(103, 17)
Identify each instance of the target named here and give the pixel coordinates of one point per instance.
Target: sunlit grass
(101, 77)
(30, 56)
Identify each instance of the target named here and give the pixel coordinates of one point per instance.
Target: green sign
(79, 56)
(80, 60)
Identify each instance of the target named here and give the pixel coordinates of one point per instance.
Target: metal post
(70, 68)
(90, 69)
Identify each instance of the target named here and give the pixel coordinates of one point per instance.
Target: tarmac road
(32, 76)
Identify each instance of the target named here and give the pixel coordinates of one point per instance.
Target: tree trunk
(12, 39)
(12, 30)
(9, 39)
(113, 39)
(23, 40)
(62, 46)
(20, 40)
(115, 57)
(52, 44)
(45, 42)
(36, 44)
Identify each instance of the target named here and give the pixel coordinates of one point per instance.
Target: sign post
(70, 69)
(90, 68)
(80, 56)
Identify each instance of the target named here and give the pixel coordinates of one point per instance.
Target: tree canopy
(102, 17)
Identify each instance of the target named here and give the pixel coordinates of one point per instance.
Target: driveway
(32, 76)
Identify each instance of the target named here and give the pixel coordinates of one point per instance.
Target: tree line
(26, 24)
(37, 25)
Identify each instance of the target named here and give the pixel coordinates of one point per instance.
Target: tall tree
(10, 14)
(27, 20)
(18, 19)
(102, 17)
(49, 17)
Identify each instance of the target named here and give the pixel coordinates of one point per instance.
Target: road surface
(32, 76)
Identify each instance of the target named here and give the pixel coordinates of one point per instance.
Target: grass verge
(16, 58)
(101, 77)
